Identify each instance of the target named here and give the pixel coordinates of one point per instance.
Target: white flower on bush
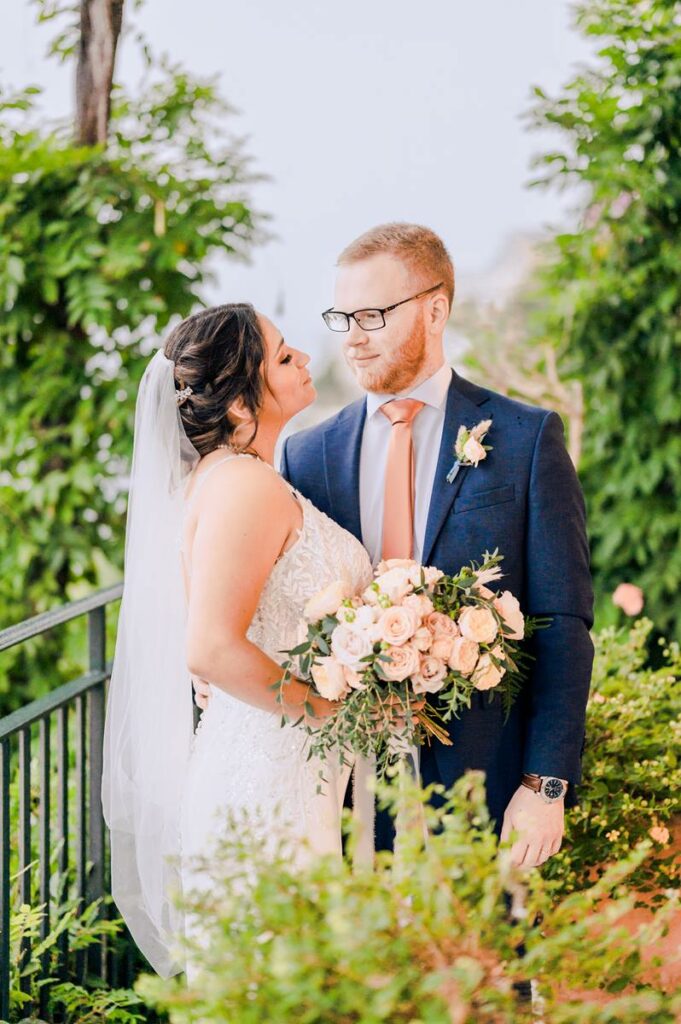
(508, 607)
(478, 624)
(405, 661)
(395, 584)
(327, 601)
(350, 644)
(397, 625)
(329, 678)
(431, 675)
(464, 656)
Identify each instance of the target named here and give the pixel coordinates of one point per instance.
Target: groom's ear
(438, 311)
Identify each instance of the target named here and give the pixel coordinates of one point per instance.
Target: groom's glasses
(367, 319)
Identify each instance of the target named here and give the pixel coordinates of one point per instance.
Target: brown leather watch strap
(531, 781)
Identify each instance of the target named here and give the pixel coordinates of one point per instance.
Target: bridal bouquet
(411, 649)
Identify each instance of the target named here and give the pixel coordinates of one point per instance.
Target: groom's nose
(355, 336)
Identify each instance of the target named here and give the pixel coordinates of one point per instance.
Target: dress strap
(201, 478)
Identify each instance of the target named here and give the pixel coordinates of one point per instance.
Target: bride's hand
(321, 710)
(201, 692)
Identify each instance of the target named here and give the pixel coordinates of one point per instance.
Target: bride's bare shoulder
(243, 480)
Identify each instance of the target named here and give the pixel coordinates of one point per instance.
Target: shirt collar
(432, 391)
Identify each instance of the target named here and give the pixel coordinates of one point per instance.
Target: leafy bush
(425, 937)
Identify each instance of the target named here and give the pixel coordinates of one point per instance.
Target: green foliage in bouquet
(631, 770)
(99, 248)
(612, 290)
(425, 937)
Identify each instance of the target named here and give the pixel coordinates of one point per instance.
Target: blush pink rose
(329, 678)
(629, 598)
(442, 646)
(394, 563)
(396, 625)
(431, 675)
(508, 607)
(478, 624)
(464, 656)
(405, 661)
(487, 674)
(422, 639)
(349, 645)
(421, 604)
(440, 624)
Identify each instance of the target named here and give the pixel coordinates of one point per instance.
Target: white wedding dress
(242, 760)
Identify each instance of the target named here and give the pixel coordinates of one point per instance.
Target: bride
(221, 557)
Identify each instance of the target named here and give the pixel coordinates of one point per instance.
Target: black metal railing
(61, 733)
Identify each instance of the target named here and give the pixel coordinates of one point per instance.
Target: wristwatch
(548, 787)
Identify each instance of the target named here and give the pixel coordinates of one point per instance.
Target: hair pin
(182, 396)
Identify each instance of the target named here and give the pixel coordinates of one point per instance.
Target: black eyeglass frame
(387, 309)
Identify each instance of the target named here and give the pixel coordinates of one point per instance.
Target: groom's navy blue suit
(525, 500)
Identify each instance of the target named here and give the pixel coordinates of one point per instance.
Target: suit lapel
(342, 446)
(463, 400)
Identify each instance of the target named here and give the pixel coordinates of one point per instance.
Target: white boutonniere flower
(469, 449)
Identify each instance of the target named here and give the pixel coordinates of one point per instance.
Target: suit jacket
(524, 499)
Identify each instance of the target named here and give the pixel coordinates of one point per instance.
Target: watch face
(553, 788)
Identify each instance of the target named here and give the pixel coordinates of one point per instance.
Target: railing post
(97, 663)
(4, 878)
(25, 841)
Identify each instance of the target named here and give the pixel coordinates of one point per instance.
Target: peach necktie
(398, 507)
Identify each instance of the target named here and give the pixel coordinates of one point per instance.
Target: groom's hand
(541, 826)
(201, 692)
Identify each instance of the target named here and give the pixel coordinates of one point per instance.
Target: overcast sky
(360, 112)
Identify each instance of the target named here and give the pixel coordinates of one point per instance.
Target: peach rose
(483, 591)
(629, 598)
(405, 661)
(421, 604)
(474, 451)
(394, 563)
(422, 639)
(487, 674)
(464, 656)
(329, 678)
(440, 624)
(431, 675)
(327, 601)
(349, 645)
(478, 624)
(353, 679)
(394, 584)
(508, 607)
(396, 625)
(442, 646)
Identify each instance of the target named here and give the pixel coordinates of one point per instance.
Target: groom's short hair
(418, 247)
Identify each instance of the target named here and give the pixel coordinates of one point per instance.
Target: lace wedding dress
(242, 759)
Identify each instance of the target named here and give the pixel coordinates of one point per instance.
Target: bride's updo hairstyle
(219, 354)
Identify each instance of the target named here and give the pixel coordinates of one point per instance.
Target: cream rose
(508, 607)
(478, 624)
(440, 624)
(431, 675)
(421, 604)
(394, 563)
(396, 625)
(349, 645)
(353, 679)
(405, 662)
(327, 601)
(474, 451)
(430, 574)
(329, 678)
(395, 584)
(442, 646)
(487, 674)
(464, 656)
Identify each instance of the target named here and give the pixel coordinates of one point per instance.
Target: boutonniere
(469, 449)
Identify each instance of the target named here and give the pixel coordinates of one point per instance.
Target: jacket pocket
(480, 499)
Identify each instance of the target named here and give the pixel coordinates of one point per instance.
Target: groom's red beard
(404, 364)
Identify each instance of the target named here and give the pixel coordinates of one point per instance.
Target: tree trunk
(100, 27)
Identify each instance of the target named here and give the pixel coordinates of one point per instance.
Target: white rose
(478, 624)
(329, 678)
(395, 584)
(366, 616)
(349, 645)
(327, 601)
(508, 607)
(474, 451)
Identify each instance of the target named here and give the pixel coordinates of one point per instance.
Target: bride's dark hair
(219, 353)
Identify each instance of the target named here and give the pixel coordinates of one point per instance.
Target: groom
(394, 291)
